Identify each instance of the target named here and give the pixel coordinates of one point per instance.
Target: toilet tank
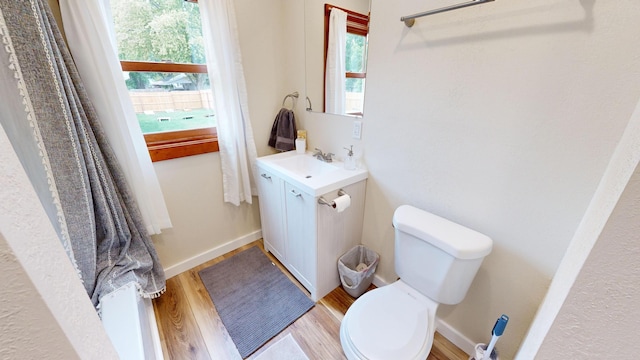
(436, 256)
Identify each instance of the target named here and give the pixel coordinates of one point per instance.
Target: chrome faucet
(318, 154)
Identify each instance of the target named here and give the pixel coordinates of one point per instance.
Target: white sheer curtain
(87, 27)
(224, 64)
(335, 86)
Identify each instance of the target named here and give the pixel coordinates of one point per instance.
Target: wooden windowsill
(176, 144)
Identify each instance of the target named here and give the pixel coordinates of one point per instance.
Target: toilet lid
(388, 323)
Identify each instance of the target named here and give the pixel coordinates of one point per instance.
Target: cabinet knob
(266, 176)
(296, 194)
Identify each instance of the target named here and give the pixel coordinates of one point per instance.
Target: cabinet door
(301, 235)
(272, 213)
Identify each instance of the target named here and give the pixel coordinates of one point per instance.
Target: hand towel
(283, 132)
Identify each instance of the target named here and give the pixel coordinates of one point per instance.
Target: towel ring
(292, 95)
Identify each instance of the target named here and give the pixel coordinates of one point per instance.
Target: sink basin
(306, 166)
(311, 175)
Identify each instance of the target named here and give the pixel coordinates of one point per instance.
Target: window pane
(356, 53)
(355, 95)
(159, 30)
(171, 101)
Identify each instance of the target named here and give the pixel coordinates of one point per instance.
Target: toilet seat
(391, 322)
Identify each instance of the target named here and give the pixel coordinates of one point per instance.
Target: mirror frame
(316, 23)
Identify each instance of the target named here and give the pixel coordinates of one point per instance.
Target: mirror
(315, 57)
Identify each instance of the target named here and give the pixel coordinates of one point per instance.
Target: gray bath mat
(254, 299)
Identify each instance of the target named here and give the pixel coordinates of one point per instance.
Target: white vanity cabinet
(300, 232)
(270, 188)
(305, 236)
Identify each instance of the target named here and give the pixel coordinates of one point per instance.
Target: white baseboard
(378, 281)
(456, 338)
(446, 330)
(210, 254)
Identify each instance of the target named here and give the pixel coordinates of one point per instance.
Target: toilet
(436, 260)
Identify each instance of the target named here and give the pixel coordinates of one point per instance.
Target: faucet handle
(328, 157)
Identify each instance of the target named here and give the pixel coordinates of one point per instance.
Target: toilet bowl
(436, 260)
(391, 322)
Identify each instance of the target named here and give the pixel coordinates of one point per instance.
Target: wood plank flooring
(190, 327)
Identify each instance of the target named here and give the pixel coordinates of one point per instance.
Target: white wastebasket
(357, 267)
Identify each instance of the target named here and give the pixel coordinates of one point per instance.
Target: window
(161, 52)
(356, 56)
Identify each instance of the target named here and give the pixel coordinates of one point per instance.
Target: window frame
(180, 143)
(357, 24)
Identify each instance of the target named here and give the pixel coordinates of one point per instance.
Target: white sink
(313, 176)
(306, 166)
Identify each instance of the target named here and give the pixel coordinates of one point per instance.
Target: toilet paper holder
(331, 204)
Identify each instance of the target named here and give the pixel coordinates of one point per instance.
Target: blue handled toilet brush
(497, 331)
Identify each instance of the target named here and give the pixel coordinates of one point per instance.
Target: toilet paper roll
(342, 202)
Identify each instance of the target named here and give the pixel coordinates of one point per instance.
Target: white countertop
(311, 175)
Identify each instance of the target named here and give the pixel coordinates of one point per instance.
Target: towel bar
(410, 19)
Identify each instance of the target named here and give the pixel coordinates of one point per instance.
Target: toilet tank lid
(457, 240)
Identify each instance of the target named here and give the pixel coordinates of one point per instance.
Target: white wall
(501, 117)
(267, 63)
(202, 221)
(27, 327)
(612, 191)
(600, 316)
